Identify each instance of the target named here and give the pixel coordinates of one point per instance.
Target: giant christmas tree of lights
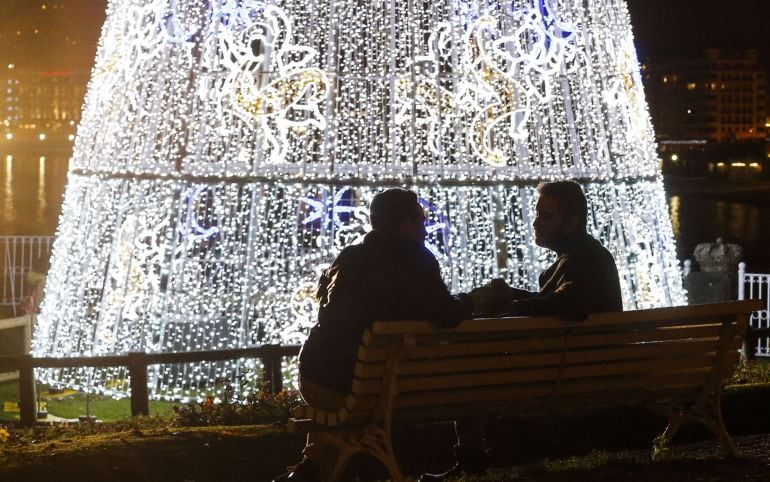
(229, 149)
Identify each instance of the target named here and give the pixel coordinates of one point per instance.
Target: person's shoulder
(599, 252)
(350, 254)
(425, 254)
(590, 250)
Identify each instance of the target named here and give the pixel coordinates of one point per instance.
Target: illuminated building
(228, 150)
(709, 110)
(39, 105)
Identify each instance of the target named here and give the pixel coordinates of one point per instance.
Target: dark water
(31, 189)
(699, 218)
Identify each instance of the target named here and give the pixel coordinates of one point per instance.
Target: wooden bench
(675, 360)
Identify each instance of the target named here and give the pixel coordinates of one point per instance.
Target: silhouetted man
(582, 280)
(584, 277)
(390, 276)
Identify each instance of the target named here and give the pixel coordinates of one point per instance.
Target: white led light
(229, 150)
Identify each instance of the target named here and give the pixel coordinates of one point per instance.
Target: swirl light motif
(291, 101)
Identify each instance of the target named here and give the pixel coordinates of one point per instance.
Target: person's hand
(489, 298)
(484, 300)
(507, 293)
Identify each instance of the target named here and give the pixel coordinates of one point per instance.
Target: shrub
(258, 407)
(753, 371)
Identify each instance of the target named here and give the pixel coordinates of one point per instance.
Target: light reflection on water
(31, 194)
(8, 206)
(698, 219)
(43, 202)
(673, 211)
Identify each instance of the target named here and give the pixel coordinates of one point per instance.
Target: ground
(700, 461)
(258, 453)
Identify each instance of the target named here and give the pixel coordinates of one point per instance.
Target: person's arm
(443, 309)
(489, 299)
(571, 297)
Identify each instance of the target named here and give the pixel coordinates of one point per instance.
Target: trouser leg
(323, 454)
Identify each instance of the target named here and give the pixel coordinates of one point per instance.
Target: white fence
(753, 286)
(21, 255)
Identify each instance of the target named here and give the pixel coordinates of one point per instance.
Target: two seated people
(393, 276)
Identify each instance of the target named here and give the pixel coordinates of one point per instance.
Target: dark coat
(582, 280)
(384, 278)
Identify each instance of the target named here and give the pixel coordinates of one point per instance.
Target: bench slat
(625, 318)
(369, 354)
(612, 385)
(543, 405)
(450, 336)
(509, 377)
(300, 425)
(668, 349)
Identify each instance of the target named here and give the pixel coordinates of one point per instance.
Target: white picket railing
(756, 286)
(21, 255)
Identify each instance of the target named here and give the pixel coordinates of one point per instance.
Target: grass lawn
(71, 405)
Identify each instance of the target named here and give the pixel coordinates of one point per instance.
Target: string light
(229, 150)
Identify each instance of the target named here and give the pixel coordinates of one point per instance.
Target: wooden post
(272, 374)
(137, 371)
(27, 395)
(277, 375)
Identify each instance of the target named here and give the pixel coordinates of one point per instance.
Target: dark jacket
(384, 278)
(582, 280)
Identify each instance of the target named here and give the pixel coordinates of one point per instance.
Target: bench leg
(713, 420)
(339, 465)
(707, 412)
(370, 440)
(379, 445)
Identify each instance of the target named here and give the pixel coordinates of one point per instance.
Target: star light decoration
(230, 149)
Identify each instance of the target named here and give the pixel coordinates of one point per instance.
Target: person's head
(397, 211)
(561, 211)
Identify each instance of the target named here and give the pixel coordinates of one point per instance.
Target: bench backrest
(536, 363)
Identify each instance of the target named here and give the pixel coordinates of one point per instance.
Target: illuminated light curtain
(229, 150)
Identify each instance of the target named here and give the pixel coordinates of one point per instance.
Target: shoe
(304, 471)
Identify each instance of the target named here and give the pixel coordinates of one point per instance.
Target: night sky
(675, 28)
(67, 30)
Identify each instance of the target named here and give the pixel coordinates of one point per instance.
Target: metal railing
(137, 363)
(21, 255)
(753, 286)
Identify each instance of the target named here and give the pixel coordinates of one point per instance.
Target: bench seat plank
(685, 314)
(549, 389)
(515, 377)
(367, 354)
(641, 351)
